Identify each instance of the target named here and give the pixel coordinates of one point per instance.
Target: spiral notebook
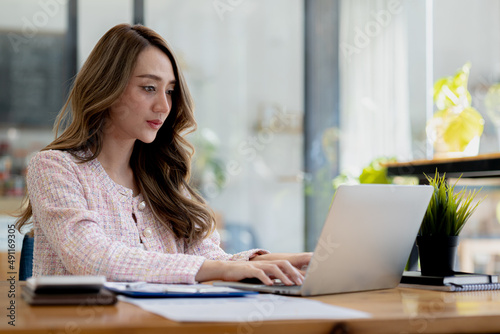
(457, 282)
(452, 287)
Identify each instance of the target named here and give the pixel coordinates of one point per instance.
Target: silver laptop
(365, 242)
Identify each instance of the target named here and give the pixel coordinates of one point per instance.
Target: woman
(110, 195)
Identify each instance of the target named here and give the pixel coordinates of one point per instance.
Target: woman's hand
(264, 270)
(298, 260)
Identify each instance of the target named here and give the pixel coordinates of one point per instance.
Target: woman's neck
(115, 159)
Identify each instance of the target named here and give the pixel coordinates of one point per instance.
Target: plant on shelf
(456, 127)
(374, 172)
(446, 215)
(208, 175)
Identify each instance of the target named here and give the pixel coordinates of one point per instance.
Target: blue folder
(152, 290)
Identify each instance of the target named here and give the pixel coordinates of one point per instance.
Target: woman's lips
(155, 124)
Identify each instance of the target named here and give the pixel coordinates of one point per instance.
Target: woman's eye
(170, 92)
(148, 89)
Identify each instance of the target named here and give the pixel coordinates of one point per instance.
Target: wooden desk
(394, 311)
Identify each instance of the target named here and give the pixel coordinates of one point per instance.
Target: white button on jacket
(147, 233)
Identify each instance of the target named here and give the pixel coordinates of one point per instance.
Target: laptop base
(289, 290)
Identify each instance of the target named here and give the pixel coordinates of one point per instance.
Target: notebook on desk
(365, 242)
(457, 282)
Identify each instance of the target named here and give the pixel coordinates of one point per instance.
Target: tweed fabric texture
(86, 224)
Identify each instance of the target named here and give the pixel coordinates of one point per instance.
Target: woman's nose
(163, 104)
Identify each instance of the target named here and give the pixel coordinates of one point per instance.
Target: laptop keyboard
(276, 282)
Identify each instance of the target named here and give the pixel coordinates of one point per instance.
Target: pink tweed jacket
(86, 224)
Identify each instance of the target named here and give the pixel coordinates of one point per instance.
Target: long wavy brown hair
(161, 168)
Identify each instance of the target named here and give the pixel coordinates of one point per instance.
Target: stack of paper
(249, 309)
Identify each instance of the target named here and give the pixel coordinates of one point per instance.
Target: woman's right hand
(263, 270)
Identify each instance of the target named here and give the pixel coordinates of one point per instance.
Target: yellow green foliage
(456, 123)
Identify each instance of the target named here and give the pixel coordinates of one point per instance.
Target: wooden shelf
(479, 166)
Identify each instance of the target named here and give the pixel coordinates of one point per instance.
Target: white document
(250, 309)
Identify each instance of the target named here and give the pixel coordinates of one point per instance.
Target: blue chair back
(239, 238)
(26, 261)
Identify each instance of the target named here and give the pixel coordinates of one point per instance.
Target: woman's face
(146, 102)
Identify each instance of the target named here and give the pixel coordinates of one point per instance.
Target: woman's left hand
(298, 260)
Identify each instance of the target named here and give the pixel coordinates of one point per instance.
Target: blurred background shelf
(9, 205)
(480, 166)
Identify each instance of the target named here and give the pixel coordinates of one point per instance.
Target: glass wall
(34, 73)
(469, 32)
(245, 66)
(391, 55)
(95, 18)
(379, 96)
(382, 81)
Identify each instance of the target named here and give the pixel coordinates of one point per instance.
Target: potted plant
(446, 215)
(456, 127)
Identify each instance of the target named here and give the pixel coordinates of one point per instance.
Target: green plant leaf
(448, 210)
(376, 172)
